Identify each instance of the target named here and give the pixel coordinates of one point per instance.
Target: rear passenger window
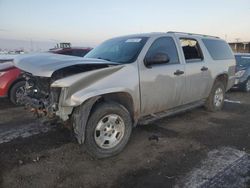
(191, 50)
(218, 49)
(165, 45)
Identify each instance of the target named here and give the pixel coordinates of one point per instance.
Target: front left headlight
(240, 73)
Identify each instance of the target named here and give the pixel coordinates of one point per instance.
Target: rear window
(218, 49)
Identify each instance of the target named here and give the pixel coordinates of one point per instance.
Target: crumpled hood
(44, 64)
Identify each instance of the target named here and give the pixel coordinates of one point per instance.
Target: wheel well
(13, 83)
(122, 98)
(222, 78)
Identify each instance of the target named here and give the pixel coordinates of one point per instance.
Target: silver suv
(127, 81)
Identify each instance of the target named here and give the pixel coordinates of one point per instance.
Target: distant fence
(240, 47)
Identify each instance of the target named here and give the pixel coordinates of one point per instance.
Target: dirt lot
(158, 155)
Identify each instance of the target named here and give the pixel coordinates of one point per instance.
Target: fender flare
(79, 121)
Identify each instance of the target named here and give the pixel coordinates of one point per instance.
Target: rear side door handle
(178, 72)
(204, 69)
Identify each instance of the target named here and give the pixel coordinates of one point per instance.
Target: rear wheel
(247, 85)
(108, 130)
(215, 101)
(16, 91)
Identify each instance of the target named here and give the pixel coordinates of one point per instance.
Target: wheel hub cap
(19, 93)
(248, 85)
(218, 97)
(109, 131)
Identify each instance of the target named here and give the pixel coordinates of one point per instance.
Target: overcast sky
(89, 22)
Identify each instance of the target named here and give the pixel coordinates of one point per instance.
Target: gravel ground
(40, 156)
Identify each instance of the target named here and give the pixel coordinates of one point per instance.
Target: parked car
(242, 72)
(74, 51)
(11, 81)
(127, 81)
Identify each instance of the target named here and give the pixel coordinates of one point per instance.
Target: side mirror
(157, 58)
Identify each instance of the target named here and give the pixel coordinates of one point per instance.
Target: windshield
(243, 60)
(120, 50)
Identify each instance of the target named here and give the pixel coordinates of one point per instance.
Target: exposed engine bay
(41, 98)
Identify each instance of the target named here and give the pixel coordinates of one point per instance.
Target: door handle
(178, 72)
(204, 69)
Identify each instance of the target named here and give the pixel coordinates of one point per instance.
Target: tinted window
(243, 60)
(218, 49)
(191, 50)
(164, 45)
(120, 50)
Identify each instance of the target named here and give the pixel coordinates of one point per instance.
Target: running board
(156, 116)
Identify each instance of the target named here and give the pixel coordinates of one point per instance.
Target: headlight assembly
(240, 73)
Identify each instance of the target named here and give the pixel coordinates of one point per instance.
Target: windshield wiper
(104, 59)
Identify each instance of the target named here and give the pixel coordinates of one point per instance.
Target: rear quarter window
(218, 49)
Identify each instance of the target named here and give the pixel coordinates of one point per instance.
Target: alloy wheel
(109, 131)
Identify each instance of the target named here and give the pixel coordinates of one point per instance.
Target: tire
(108, 117)
(215, 101)
(17, 87)
(246, 86)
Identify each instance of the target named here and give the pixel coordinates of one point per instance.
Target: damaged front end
(47, 101)
(40, 97)
(57, 86)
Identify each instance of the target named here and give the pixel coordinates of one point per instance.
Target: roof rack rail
(175, 32)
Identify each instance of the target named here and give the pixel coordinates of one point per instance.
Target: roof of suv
(154, 34)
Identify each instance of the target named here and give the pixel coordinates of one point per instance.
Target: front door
(162, 85)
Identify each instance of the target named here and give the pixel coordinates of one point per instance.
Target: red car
(11, 82)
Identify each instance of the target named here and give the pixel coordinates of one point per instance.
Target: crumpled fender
(78, 88)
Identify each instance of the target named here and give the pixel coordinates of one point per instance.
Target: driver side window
(164, 45)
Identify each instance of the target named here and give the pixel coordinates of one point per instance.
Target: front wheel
(215, 101)
(108, 130)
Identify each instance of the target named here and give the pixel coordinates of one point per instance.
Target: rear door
(162, 85)
(197, 70)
